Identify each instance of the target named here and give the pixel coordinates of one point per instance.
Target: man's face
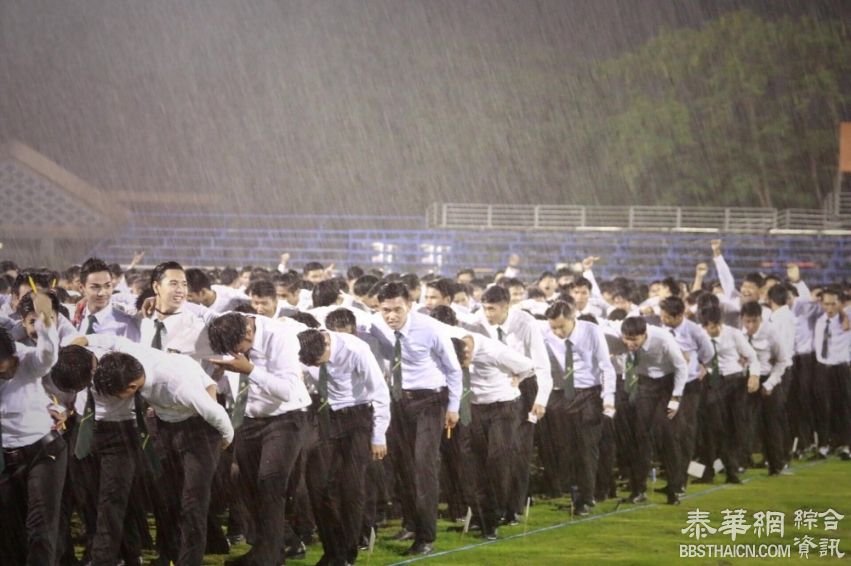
(8, 367)
(265, 306)
(495, 313)
(633, 343)
(467, 359)
(29, 325)
(749, 292)
(98, 290)
(830, 304)
(171, 290)
(547, 285)
(371, 301)
(562, 326)
(464, 278)
(669, 320)
(315, 276)
(395, 312)
(132, 387)
(580, 294)
(565, 280)
(751, 324)
(621, 302)
(248, 341)
(286, 294)
(713, 329)
(244, 279)
(653, 290)
(433, 298)
(462, 299)
(326, 354)
(516, 294)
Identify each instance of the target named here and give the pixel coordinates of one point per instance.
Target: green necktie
(500, 334)
(240, 399)
(92, 320)
(86, 428)
(465, 412)
(825, 349)
(323, 411)
(396, 390)
(715, 375)
(157, 342)
(568, 387)
(632, 375)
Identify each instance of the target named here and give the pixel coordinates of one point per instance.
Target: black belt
(734, 375)
(24, 454)
(361, 408)
(412, 394)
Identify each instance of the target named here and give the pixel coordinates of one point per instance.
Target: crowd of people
(275, 407)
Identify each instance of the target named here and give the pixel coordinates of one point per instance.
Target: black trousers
(487, 448)
(649, 419)
(685, 426)
(723, 411)
(605, 486)
(799, 404)
(190, 456)
(769, 413)
(417, 420)
(30, 499)
(118, 455)
(584, 415)
(523, 446)
(266, 452)
(833, 384)
(336, 482)
(551, 434)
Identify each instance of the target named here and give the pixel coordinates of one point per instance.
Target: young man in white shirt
(217, 298)
(97, 314)
(33, 456)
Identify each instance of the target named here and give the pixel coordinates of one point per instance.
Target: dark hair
(755, 278)
(617, 314)
(672, 306)
(226, 332)
(7, 345)
(707, 299)
(263, 288)
(354, 272)
(197, 280)
(311, 346)
(392, 290)
(325, 293)
(444, 314)
(115, 372)
(92, 265)
(560, 308)
(43, 278)
(411, 281)
(306, 319)
(291, 281)
(546, 275)
(535, 293)
(588, 318)
(778, 294)
(228, 275)
(710, 314)
(73, 370)
(444, 286)
(495, 294)
(245, 308)
(8, 265)
(146, 294)
(835, 291)
(509, 282)
(752, 308)
(672, 284)
(634, 326)
(26, 305)
(363, 284)
(339, 319)
(159, 271)
(5, 283)
(312, 266)
(466, 271)
(581, 282)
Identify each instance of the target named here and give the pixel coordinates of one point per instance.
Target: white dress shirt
(785, 322)
(839, 341)
(355, 378)
(660, 355)
(184, 333)
(774, 357)
(428, 356)
(493, 368)
(592, 365)
(227, 298)
(23, 400)
(732, 346)
(694, 342)
(111, 320)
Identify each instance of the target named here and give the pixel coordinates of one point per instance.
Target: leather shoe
(733, 479)
(707, 480)
(636, 498)
(673, 498)
(581, 510)
(490, 535)
(404, 534)
(296, 552)
(419, 549)
(510, 519)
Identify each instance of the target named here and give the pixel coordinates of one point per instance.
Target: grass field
(642, 534)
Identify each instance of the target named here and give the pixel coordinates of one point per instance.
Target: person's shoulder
(121, 316)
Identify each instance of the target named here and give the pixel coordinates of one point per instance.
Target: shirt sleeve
(595, 288)
(705, 352)
(746, 351)
(278, 379)
(541, 359)
(379, 394)
(603, 361)
(679, 363)
(192, 393)
(514, 363)
(781, 358)
(38, 361)
(725, 276)
(448, 361)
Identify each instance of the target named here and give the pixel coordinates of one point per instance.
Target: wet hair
(672, 285)
(363, 284)
(588, 318)
(778, 294)
(26, 305)
(755, 278)
(411, 281)
(312, 266)
(708, 299)
(146, 294)
(245, 308)
(159, 271)
(634, 326)
(340, 319)
(325, 293)
(197, 280)
(546, 275)
(393, 290)
(581, 282)
(710, 314)
(263, 288)
(115, 372)
(8, 265)
(306, 319)
(495, 294)
(226, 332)
(466, 271)
(73, 370)
(672, 306)
(7, 345)
(444, 286)
(5, 283)
(509, 282)
(354, 272)
(535, 293)
(560, 308)
(92, 265)
(311, 346)
(835, 291)
(444, 314)
(228, 275)
(752, 308)
(617, 314)
(43, 279)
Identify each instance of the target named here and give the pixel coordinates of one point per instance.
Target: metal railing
(649, 218)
